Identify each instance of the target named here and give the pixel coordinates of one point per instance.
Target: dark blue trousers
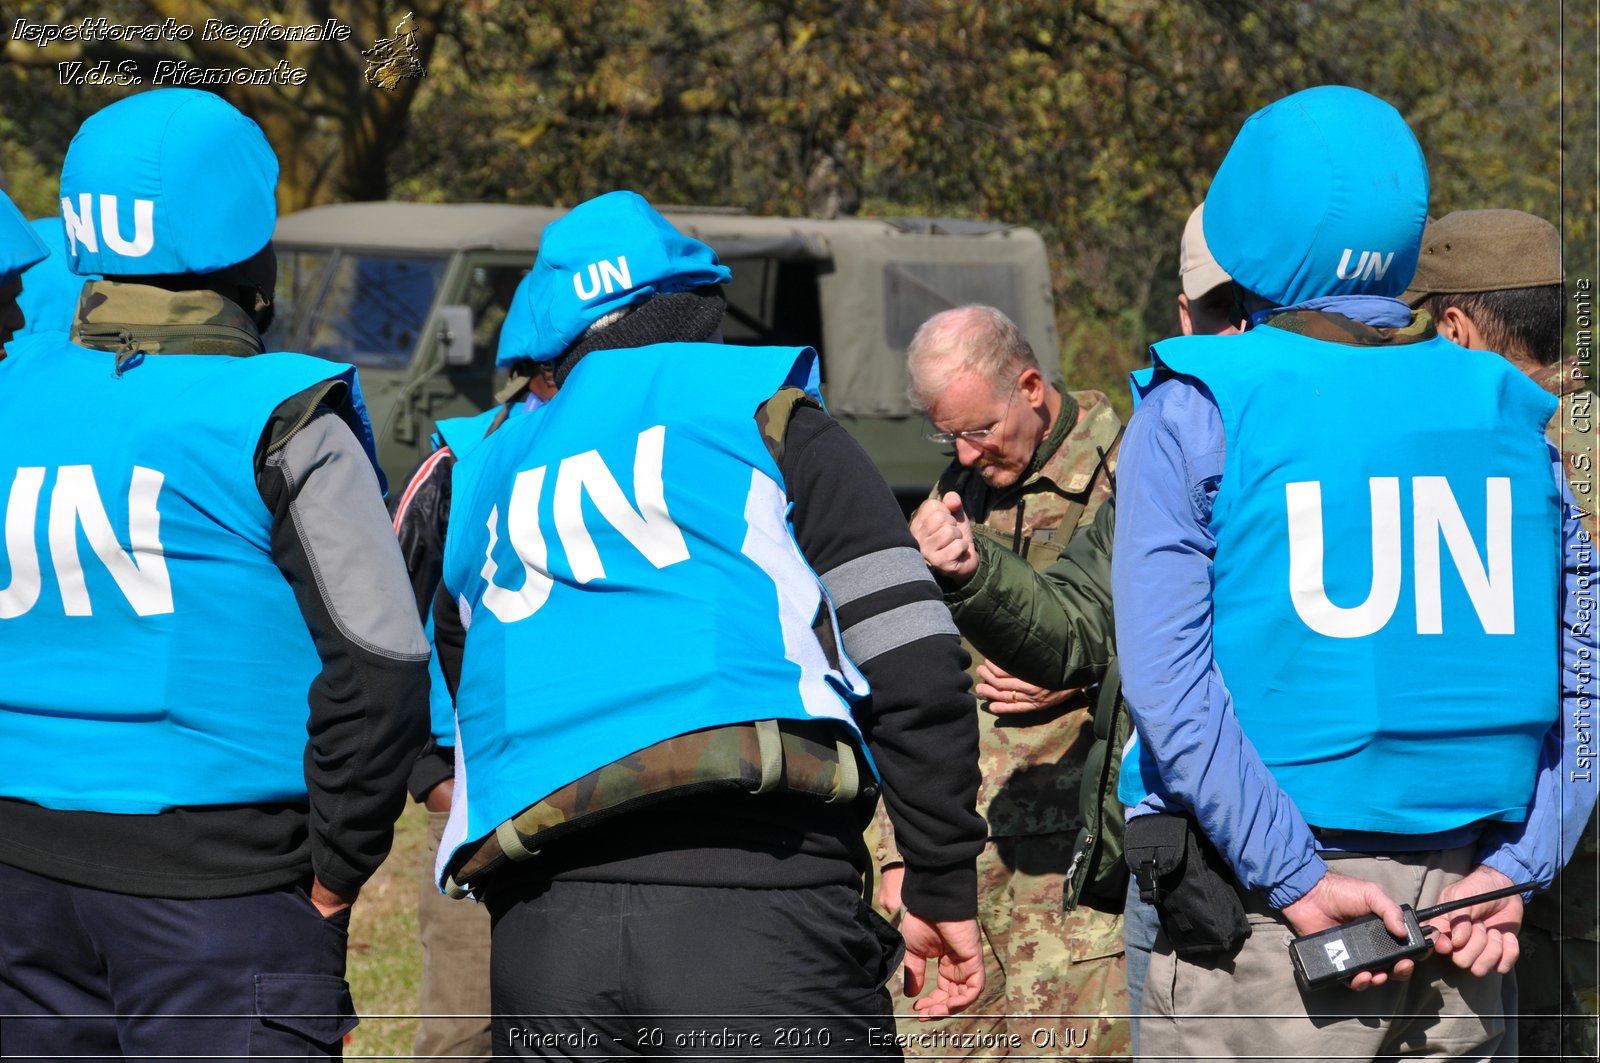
(88, 973)
(587, 970)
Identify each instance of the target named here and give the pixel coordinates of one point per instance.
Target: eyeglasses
(979, 436)
(972, 435)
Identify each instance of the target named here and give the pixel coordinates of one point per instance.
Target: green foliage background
(1098, 122)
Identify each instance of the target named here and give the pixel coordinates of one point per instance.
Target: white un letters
(79, 224)
(603, 274)
(650, 529)
(1372, 265)
(1435, 515)
(140, 574)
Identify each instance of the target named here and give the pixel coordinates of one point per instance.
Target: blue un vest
(1396, 678)
(626, 568)
(460, 434)
(155, 655)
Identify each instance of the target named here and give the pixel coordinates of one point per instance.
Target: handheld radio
(1365, 944)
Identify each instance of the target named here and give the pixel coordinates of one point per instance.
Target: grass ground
(385, 964)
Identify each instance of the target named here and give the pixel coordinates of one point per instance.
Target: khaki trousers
(1249, 1005)
(454, 999)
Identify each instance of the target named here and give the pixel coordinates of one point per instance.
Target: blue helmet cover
(20, 247)
(167, 181)
(608, 253)
(50, 290)
(1323, 193)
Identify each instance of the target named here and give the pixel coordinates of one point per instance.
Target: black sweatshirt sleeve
(449, 638)
(920, 720)
(421, 514)
(368, 707)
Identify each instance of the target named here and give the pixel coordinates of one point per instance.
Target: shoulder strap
(772, 418)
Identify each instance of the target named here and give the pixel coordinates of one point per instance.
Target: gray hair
(972, 338)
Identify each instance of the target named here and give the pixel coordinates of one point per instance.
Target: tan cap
(1196, 268)
(1485, 251)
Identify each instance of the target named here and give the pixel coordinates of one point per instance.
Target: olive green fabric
(1039, 774)
(139, 319)
(1050, 879)
(129, 319)
(1055, 629)
(1485, 251)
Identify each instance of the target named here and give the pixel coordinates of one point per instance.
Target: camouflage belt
(815, 757)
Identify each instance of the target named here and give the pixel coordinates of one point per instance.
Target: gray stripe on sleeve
(875, 572)
(339, 518)
(896, 628)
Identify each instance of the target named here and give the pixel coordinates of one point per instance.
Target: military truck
(415, 293)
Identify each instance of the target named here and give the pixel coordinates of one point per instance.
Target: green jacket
(1055, 629)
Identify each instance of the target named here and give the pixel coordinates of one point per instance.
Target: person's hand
(438, 799)
(1481, 938)
(889, 888)
(1337, 899)
(955, 944)
(1008, 694)
(944, 535)
(327, 901)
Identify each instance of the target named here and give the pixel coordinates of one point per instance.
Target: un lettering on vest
(650, 529)
(80, 227)
(1435, 515)
(140, 573)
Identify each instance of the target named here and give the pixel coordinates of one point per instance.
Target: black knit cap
(679, 317)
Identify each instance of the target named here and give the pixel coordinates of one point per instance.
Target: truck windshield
(363, 307)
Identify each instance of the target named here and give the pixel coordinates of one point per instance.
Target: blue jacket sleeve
(1161, 581)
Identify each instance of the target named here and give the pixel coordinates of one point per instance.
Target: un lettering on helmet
(80, 225)
(165, 182)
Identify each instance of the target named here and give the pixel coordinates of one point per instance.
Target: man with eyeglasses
(1031, 466)
(1055, 627)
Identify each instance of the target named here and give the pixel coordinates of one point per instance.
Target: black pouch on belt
(1183, 875)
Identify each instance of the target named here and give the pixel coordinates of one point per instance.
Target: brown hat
(1197, 270)
(1485, 251)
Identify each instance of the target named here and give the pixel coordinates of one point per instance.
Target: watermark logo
(160, 72)
(392, 60)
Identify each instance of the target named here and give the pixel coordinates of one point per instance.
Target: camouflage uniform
(126, 319)
(1557, 973)
(1041, 959)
